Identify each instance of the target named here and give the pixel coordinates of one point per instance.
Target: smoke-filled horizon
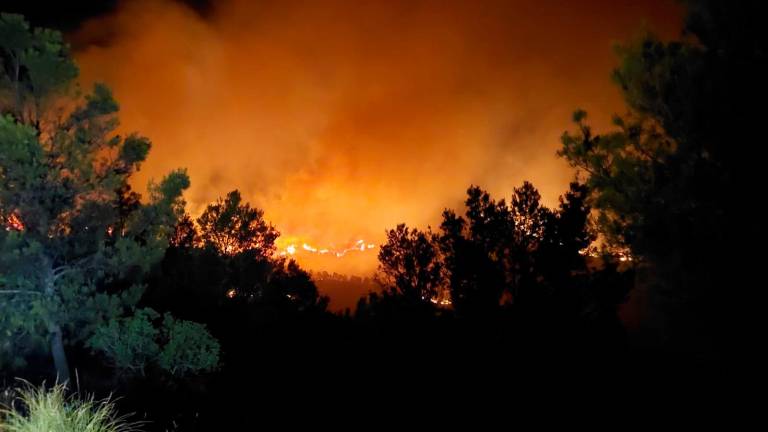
(341, 119)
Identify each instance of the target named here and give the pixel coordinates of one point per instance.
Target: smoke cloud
(343, 118)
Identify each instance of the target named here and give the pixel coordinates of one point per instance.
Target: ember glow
(342, 118)
(290, 248)
(12, 222)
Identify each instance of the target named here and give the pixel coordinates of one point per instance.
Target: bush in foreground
(51, 410)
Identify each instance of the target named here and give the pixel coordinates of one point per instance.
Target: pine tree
(71, 251)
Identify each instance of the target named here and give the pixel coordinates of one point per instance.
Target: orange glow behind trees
(342, 119)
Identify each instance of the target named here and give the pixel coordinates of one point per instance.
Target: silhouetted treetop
(669, 182)
(185, 233)
(409, 264)
(517, 253)
(231, 227)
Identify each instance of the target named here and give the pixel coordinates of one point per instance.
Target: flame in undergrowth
(12, 222)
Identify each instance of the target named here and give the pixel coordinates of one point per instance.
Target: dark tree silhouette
(530, 220)
(293, 284)
(568, 234)
(490, 223)
(671, 182)
(184, 234)
(128, 201)
(232, 227)
(476, 280)
(529, 217)
(409, 264)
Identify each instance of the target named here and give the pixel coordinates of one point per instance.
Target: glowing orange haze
(343, 118)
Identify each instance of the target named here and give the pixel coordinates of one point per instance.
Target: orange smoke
(343, 118)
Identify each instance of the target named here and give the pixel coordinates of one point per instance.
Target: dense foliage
(671, 181)
(190, 318)
(70, 259)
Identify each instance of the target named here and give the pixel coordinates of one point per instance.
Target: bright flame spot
(14, 223)
(292, 249)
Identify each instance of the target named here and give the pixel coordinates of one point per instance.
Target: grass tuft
(51, 410)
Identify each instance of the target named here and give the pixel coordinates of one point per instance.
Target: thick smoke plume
(343, 118)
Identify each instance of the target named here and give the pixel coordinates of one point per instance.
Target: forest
(196, 322)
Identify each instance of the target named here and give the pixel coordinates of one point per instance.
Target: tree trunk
(59, 356)
(17, 99)
(57, 341)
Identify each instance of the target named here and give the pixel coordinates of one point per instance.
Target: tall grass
(51, 410)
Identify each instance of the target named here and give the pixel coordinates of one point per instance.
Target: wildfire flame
(292, 249)
(12, 222)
